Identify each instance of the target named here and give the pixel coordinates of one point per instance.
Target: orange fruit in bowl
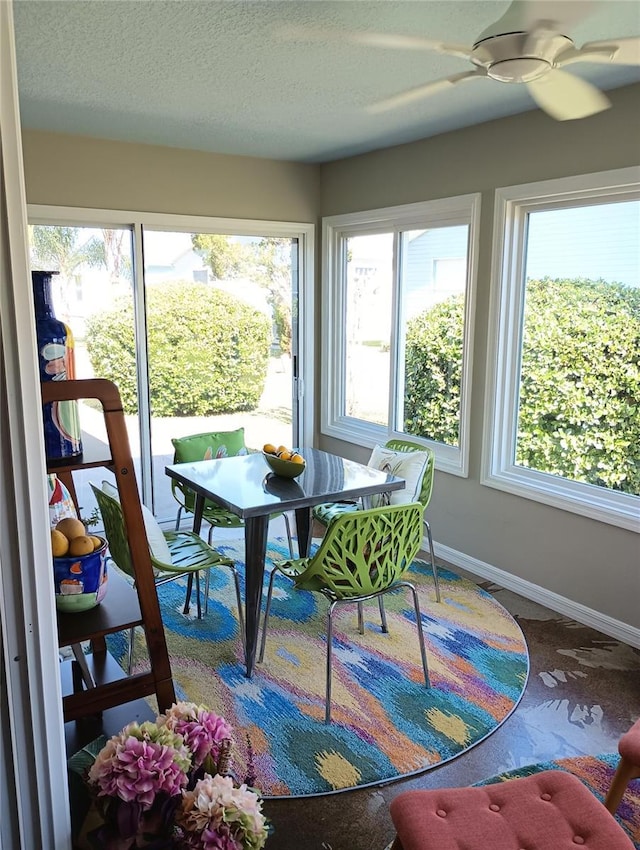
(59, 544)
(281, 449)
(81, 545)
(285, 455)
(71, 527)
(269, 449)
(296, 458)
(97, 541)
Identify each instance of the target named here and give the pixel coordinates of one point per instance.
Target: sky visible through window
(592, 242)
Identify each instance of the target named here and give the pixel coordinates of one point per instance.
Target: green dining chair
(327, 512)
(187, 554)
(212, 446)
(363, 555)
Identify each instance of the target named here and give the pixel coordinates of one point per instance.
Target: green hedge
(580, 388)
(433, 372)
(208, 352)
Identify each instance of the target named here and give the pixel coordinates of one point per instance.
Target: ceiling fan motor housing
(519, 57)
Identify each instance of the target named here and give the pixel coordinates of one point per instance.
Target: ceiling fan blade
(407, 97)
(542, 15)
(393, 41)
(565, 97)
(621, 51)
(409, 42)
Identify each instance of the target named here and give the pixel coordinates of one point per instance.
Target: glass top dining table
(246, 486)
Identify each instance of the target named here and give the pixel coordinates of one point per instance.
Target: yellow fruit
(71, 528)
(296, 458)
(284, 455)
(59, 544)
(97, 541)
(281, 449)
(81, 545)
(269, 449)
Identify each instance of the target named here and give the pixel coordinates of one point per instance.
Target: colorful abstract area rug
(596, 772)
(385, 723)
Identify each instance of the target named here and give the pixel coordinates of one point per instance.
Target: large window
(398, 293)
(564, 413)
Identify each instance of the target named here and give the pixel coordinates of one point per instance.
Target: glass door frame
(303, 384)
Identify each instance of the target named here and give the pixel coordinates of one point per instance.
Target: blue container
(80, 583)
(56, 357)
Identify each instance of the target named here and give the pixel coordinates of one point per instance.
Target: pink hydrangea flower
(137, 769)
(221, 816)
(203, 731)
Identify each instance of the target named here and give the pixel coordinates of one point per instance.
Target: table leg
(255, 547)
(303, 530)
(197, 525)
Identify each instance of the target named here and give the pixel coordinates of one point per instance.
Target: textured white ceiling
(227, 75)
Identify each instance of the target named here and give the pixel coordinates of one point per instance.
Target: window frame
(508, 284)
(444, 212)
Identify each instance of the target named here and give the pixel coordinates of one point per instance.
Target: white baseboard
(588, 616)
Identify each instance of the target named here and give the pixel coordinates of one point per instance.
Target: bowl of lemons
(287, 463)
(79, 566)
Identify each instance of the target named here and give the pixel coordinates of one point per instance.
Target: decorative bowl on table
(289, 466)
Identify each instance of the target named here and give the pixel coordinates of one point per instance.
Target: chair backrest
(366, 551)
(426, 489)
(114, 530)
(207, 446)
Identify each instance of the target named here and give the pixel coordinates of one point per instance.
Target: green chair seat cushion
(329, 511)
(221, 517)
(189, 552)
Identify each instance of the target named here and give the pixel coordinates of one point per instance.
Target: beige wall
(589, 562)
(76, 171)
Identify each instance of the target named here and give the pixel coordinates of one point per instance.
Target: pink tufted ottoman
(551, 810)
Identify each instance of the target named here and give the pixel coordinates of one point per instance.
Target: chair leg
(432, 556)
(240, 609)
(187, 601)
(327, 707)
(198, 605)
(361, 618)
(132, 632)
(383, 615)
(287, 525)
(625, 772)
(423, 651)
(178, 518)
(267, 611)
(207, 581)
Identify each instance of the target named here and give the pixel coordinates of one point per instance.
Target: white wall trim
(561, 604)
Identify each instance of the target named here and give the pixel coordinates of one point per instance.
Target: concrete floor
(583, 693)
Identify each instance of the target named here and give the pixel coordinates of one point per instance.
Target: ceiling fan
(527, 45)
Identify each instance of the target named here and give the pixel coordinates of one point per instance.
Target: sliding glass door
(200, 330)
(222, 341)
